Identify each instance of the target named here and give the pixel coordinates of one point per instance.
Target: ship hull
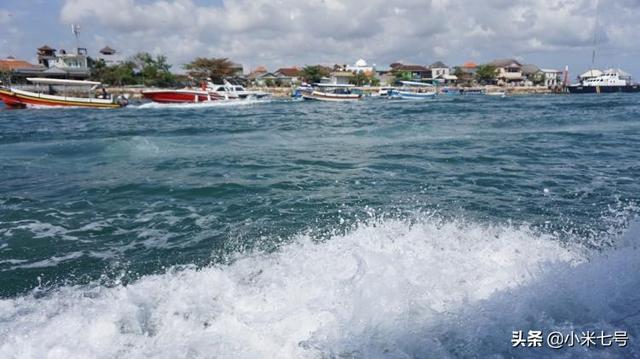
(179, 96)
(330, 97)
(603, 89)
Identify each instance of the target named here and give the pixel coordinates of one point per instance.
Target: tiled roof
(12, 64)
(289, 71)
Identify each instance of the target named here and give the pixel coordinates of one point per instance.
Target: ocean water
(281, 229)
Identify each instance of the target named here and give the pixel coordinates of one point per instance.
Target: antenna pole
(595, 37)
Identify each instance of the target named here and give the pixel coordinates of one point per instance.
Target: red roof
(289, 71)
(12, 64)
(469, 65)
(261, 69)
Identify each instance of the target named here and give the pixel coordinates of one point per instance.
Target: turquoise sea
(282, 229)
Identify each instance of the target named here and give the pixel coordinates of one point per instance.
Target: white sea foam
(386, 289)
(216, 103)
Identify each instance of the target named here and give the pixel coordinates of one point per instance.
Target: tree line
(148, 70)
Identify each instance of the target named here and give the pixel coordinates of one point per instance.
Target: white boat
(382, 92)
(496, 93)
(412, 90)
(231, 91)
(332, 93)
(611, 80)
(59, 92)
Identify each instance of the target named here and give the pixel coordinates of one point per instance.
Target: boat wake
(389, 288)
(217, 103)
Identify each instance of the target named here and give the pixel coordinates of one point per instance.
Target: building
(110, 56)
(266, 79)
(63, 64)
(552, 78)
(361, 66)
(292, 75)
(412, 72)
(385, 76)
(509, 71)
(11, 64)
(441, 73)
(340, 77)
(237, 70)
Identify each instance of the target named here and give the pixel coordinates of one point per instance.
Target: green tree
(486, 74)
(313, 74)
(360, 79)
(153, 71)
(215, 68)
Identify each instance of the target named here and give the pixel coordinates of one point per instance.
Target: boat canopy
(413, 83)
(333, 85)
(47, 81)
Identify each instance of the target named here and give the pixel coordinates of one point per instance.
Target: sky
(284, 33)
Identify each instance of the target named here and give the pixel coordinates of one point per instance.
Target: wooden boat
(60, 93)
(411, 90)
(332, 93)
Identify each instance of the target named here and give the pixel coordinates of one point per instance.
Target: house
(552, 78)
(266, 79)
(11, 64)
(441, 73)
(411, 72)
(532, 75)
(509, 71)
(361, 66)
(63, 64)
(340, 77)
(466, 73)
(290, 75)
(385, 76)
(237, 70)
(110, 56)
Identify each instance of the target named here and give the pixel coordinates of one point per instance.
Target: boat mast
(595, 37)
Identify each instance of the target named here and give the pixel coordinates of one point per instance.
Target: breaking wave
(388, 288)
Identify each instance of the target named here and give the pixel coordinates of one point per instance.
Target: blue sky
(275, 33)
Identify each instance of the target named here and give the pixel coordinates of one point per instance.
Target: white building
(361, 66)
(552, 78)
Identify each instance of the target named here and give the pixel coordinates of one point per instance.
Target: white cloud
(287, 32)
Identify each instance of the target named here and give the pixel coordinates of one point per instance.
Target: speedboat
(185, 95)
(231, 91)
(412, 90)
(59, 92)
(611, 80)
(332, 93)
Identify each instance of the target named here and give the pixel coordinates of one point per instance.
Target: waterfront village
(143, 70)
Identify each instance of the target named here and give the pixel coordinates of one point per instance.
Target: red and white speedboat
(60, 93)
(180, 96)
(207, 92)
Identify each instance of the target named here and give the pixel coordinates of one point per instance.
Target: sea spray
(385, 289)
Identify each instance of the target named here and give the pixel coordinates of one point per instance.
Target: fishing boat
(332, 92)
(611, 80)
(411, 90)
(61, 93)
